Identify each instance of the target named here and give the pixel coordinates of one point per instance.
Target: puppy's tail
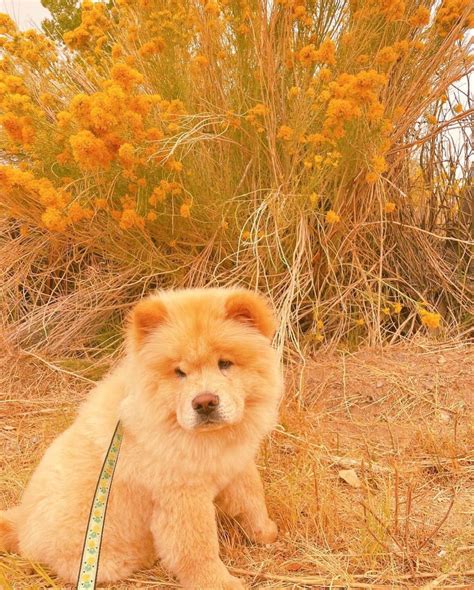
(8, 531)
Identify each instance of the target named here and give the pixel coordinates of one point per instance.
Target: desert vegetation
(304, 148)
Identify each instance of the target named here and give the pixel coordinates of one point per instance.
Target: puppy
(196, 392)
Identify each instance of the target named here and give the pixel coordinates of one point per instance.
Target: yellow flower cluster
(89, 151)
(7, 25)
(378, 166)
(116, 127)
(286, 133)
(76, 212)
(348, 95)
(339, 111)
(30, 46)
(185, 210)
(392, 308)
(397, 307)
(163, 190)
(59, 209)
(18, 129)
(297, 11)
(430, 319)
(325, 54)
(256, 115)
(452, 13)
(17, 111)
(104, 120)
(12, 179)
(293, 92)
(420, 17)
(126, 155)
(107, 127)
(95, 22)
(332, 217)
(125, 76)
(129, 219)
(392, 10)
(152, 47)
(387, 55)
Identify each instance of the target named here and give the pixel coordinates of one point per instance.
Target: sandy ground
(369, 475)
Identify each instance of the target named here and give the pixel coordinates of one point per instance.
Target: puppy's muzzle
(205, 404)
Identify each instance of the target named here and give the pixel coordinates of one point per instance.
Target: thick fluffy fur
(173, 466)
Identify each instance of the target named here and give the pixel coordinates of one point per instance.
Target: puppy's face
(205, 356)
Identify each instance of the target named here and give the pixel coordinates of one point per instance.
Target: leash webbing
(86, 579)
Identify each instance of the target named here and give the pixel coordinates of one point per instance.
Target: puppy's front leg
(244, 500)
(185, 535)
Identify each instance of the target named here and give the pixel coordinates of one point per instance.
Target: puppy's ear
(145, 317)
(251, 309)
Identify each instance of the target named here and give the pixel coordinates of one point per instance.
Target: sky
(26, 13)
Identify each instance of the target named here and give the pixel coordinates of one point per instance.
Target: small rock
(288, 449)
(444, 416)
(8, 427)
(441, 360)
(350, 477)
(379, 384)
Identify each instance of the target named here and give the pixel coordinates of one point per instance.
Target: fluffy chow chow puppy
(196, 392)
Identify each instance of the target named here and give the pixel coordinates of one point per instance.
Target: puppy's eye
(180, 373)
(223, 364)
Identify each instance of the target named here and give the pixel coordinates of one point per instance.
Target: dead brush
(303, 149)
(390, 528)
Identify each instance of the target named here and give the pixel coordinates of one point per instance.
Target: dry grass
(400, 417)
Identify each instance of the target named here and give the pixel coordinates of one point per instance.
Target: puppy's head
(203, 357)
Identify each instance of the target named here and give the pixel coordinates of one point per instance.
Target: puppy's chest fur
(175, 463)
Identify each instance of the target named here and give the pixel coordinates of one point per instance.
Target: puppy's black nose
(205, 403)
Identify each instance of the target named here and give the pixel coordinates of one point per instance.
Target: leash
(86, 579)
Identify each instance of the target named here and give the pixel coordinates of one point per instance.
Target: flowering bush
(292, 145)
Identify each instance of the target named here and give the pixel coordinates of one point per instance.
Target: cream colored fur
(172, 469)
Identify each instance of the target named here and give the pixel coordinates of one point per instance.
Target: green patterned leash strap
(86, 579)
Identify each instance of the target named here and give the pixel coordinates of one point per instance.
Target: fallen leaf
(350, 477)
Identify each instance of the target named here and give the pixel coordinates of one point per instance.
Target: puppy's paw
(266, 534)
(226, 582)
(233, 583)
